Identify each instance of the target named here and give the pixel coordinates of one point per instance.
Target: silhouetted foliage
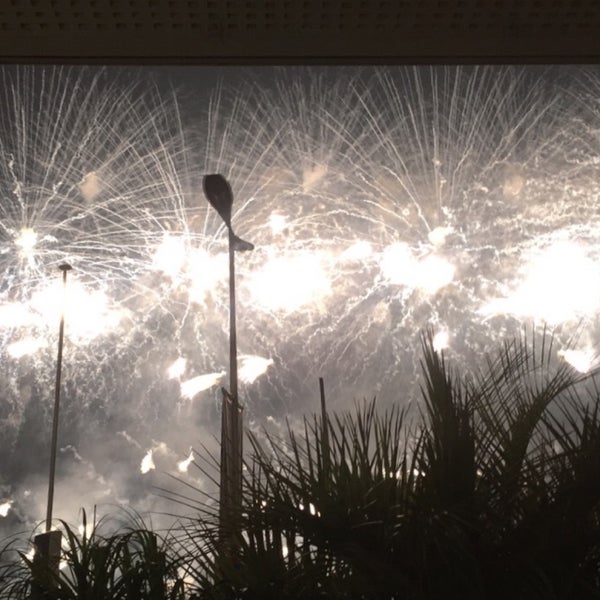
(491, 491)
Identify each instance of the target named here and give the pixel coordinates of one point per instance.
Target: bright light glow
(177, 369)
(87, 313)
(252, 367)
(560, 284)
(183, 465)
(441, 341)
(26, 240)
(401, 267)
(277, 222)
(438, 235)
(25, 347)
(5, 507)
(434, 273)
(87, 531)
(198, 384)
(147, 463)
(169, 258)
(290, 283)
(580, 360)
(311, 509)
(358, 251)
(15, 315)
(205, 271)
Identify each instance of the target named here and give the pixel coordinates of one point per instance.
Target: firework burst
(380, 202)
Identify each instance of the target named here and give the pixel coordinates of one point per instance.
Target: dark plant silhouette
(132, 564)
(491, 490)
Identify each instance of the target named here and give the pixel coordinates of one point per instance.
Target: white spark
(88, 313)
(205, 271)
(290, 283)
(434, 273)
(401, 267)
(15, 315)
(30, 553)
(183, 465)
(26, 240)
(580, 360)
(277, 222)
(147, 463)
(438, 235)
(560, 284)
(86, 531)
(177, 369)
(252, 367)
(198, 384)
(169, 258)
(357, 251)
(441, 341)
(25, 346)
(5, 507)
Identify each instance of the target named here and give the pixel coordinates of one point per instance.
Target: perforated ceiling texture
(300, 30)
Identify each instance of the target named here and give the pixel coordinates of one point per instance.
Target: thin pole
(324, 430)
(233, 378)
(65, 268)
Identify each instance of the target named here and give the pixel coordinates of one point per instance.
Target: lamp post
(48, 543)
(218, 193)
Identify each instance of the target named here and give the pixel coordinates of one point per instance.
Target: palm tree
(133, 563)
(491, 491)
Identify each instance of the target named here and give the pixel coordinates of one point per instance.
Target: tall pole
(65, 268)
(218, 193)
(233, 375)
(48, 544)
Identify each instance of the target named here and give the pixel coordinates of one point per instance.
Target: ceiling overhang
(300, 31)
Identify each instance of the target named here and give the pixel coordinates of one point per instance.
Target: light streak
(200, 383)
(252, 367)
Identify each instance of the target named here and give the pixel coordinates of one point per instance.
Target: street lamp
(48, 543)
(218, 192)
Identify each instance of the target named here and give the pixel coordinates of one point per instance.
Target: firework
(380, 202)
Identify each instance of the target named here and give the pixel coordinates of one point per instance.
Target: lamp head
(218, 192)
